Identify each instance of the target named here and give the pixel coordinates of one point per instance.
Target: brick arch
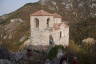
(48, 20)
(36, 22)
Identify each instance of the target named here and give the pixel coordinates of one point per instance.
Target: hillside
(83, 30)
(17, 24)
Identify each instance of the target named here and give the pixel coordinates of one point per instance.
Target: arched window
(48, 22)
(60, 34)
(36, 22)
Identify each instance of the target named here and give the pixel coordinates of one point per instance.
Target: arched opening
(51, 41)
(48, 22)
(60, 34)
(36, 22)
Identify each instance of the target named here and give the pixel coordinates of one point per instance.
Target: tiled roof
(41, 13)
(56, 26)
(44, 13)
(57, 15)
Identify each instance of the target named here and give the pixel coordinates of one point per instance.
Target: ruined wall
(40, 35)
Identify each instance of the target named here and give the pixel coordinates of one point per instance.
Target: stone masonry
(46, 27)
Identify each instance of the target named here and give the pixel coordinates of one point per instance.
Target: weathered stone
(41, 23)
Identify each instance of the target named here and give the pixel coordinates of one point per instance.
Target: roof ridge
(45, 13)
(57, 15)
(41, 13)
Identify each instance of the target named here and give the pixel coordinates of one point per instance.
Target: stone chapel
(48, 29)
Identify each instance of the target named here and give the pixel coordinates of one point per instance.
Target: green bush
(53, 52)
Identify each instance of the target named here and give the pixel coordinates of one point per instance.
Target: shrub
(54, 50)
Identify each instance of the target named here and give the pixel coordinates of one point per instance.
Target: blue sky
(7, 6)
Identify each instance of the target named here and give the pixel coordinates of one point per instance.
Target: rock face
(47, 27)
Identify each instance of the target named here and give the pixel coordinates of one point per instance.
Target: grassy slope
(78, 31)
(22, 29)
(83, 29)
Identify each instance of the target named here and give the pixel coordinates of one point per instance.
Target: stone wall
(40, 35)
(42, 22)
(62, 39)
(57, 20)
